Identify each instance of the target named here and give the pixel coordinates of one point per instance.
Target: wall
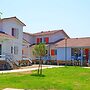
(52, 38)
(26, 50)
(0, 25)
(61, 53)
(56, 36)
(29, 38)
(49, 47)
(7, 27)
(31, 52)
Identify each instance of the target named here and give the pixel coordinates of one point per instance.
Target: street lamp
(65, 51)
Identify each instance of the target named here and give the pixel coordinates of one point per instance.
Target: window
(46, 39)
(39, 40)
(53, 52)
(15, 32)
(75, 53)
(15, 50)
(11, 50)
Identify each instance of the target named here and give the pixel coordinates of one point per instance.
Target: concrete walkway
(29, 68)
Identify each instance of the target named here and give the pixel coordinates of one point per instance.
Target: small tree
(39, 51)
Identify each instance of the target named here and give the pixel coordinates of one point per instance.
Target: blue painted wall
(61, 53)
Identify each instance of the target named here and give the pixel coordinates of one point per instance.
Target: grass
(63, 78)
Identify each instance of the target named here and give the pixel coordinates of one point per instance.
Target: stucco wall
(61, 53)
(7, 26)
(29, 38)
(26, 50)
(52, 38)
(0, 25)
(48, 47)
(56, 36)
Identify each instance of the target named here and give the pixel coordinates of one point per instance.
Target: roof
(27, 33)
(4, 36)
(47, 33)
(74, 42)
(25, 41)
(15, 19)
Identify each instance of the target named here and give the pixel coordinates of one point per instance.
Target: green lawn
(63, 78)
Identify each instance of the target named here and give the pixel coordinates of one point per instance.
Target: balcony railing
(2, 57)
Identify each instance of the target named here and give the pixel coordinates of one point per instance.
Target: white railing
(9, 58)
(2, 57)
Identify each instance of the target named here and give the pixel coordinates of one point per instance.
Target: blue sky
(73, 16)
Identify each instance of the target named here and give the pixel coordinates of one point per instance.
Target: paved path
(29, 68)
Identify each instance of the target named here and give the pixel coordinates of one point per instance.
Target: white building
(11, 35)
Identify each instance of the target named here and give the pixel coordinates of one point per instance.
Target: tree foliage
(39, 51)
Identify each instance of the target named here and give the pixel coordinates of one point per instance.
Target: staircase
(12, 61)
(8, 62)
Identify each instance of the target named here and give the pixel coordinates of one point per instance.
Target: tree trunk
(40, 66)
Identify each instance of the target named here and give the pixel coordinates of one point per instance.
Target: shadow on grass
(37, 75)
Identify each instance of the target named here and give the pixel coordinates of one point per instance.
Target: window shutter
(15, 50)
(52, 52)
(47, 40)
(37, 40)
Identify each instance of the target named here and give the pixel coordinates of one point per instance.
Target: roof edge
(16, 19)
